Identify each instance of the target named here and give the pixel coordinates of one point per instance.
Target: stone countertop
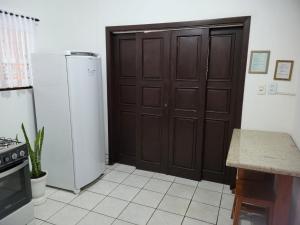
(264, 151)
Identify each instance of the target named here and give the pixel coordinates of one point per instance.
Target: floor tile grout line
(199, 220)
(43, 221)
(91, 211)
(126, 207)
(56, 211)
(131, 201)
(189, 204)
(221, 201)
(106, 196)
(88, 192)
(172, 195)
(219, 207)
(121, 198)
(111, 216)
(205, 203)
(137, 203)
(145, 176)
(79, 207)
(140, 188)
(207, 189)
(83, 217)
(94, 206)
(190, 200)
(148, 179)
(86, 209)
(159, 203)
(128, 202)
(67, 204)
(173, 181)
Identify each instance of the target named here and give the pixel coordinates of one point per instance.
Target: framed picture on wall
(283, 70)
(259, 62)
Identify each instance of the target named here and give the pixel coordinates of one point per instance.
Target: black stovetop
(7, 143)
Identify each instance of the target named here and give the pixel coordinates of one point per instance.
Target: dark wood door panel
(175, 97)
(186, 156)
(218, 100)
(220, 56)
(152, 96)
(151, 139)
(215, 145)
(152, 116)
(152, 58)
(127, 94)
(221, 100)
(125, 98)
(185, 135)
(127, 57)
(127, 136)
(186, 98)
(189, 54)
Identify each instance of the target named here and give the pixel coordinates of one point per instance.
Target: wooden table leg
(283, 190)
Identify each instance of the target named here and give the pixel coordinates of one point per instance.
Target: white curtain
(17, 36)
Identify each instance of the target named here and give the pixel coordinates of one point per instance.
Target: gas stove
(11, 151)
(7, 142)
(15, 189)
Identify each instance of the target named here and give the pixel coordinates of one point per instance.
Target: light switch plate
(261, 90)
(273, 87)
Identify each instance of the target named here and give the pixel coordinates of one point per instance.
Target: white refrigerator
(69, 104)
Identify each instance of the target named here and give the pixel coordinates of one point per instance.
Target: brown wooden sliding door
(152, 100)
(189, 52)
(175, 96)
(221, 100)
(125, 98)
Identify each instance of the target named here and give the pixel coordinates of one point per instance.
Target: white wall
(268, 31)
(295, 216)
(297, 117)
(80, 25)
(16, 107)
(64, 25)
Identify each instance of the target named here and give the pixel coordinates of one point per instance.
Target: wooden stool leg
(233, 207)
(270, 216)
(237, 210)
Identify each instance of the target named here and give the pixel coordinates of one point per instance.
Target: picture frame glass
(283, 70)
(259, 62)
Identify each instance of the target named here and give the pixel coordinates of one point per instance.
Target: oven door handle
(14, 169)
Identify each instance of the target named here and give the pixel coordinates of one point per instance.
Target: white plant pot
(38, 187)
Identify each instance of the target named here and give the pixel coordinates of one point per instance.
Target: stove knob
(6, 159)
(0, 161)
(14, 156)
(22, 153)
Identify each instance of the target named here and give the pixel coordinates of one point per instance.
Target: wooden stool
(256, 192)
(254, 176)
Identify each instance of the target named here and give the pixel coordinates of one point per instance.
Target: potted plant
(38, 177)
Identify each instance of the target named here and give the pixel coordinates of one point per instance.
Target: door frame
(243, 22)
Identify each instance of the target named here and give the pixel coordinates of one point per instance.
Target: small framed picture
(259, 62)
(283, 70)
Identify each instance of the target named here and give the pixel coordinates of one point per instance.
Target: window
(16, 45)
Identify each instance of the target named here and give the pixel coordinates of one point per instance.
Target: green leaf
(25, 136)
(35, 154)
(41, 140)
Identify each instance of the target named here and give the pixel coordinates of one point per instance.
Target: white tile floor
(126, 196)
